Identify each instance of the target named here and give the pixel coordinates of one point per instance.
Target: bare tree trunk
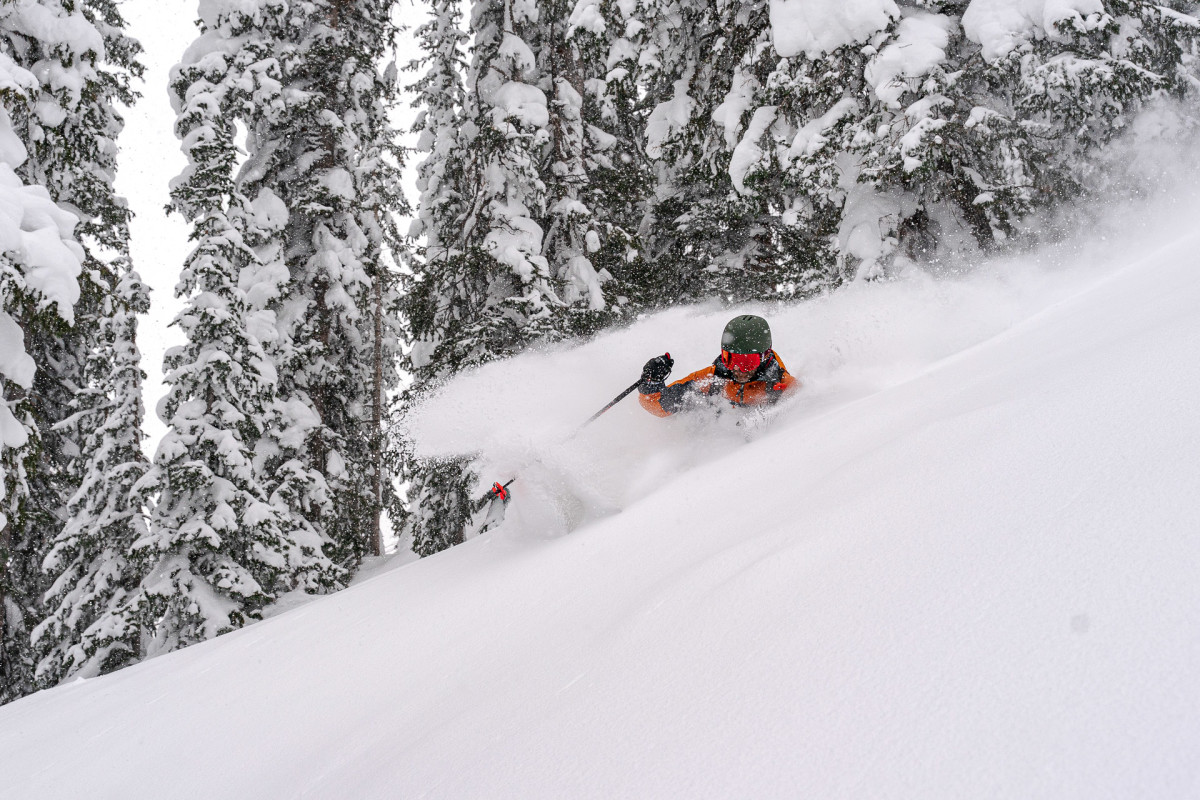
(377, 417)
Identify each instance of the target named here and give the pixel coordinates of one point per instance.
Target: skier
(747, 373)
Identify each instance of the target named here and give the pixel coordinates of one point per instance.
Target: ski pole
(615, 400)
(500, 491)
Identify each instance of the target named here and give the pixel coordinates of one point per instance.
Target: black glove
(655, 372)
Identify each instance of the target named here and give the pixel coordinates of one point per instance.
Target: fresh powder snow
(960, 563)
(1000, 26)
(920, 45)
(816, 27)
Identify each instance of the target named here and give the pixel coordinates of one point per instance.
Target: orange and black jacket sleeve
(663, 401)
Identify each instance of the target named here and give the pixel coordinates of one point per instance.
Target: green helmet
(746, 334)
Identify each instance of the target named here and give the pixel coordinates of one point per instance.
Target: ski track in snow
(967, 569)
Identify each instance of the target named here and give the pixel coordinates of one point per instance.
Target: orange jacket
(770, 382)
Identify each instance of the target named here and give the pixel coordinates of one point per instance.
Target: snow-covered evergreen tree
(441, 301)
(509, 261)
(328, 152)
(83, 64)
(1040, 104)
(508, 131)
(572, 44)
(272, 476)
(224, 541)
(86, 631)
(39, 267)
(706, 68)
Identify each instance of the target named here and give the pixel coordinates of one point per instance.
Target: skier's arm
(650, 390)
(663, 401)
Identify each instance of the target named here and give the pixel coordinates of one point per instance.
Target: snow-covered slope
(962, 563)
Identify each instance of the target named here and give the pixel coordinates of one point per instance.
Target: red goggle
(741, 362)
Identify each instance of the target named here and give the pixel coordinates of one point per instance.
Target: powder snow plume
(521, 417)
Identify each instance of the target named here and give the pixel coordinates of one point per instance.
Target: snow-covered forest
(581, 167)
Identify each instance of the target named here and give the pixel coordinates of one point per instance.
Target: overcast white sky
(150, 158)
